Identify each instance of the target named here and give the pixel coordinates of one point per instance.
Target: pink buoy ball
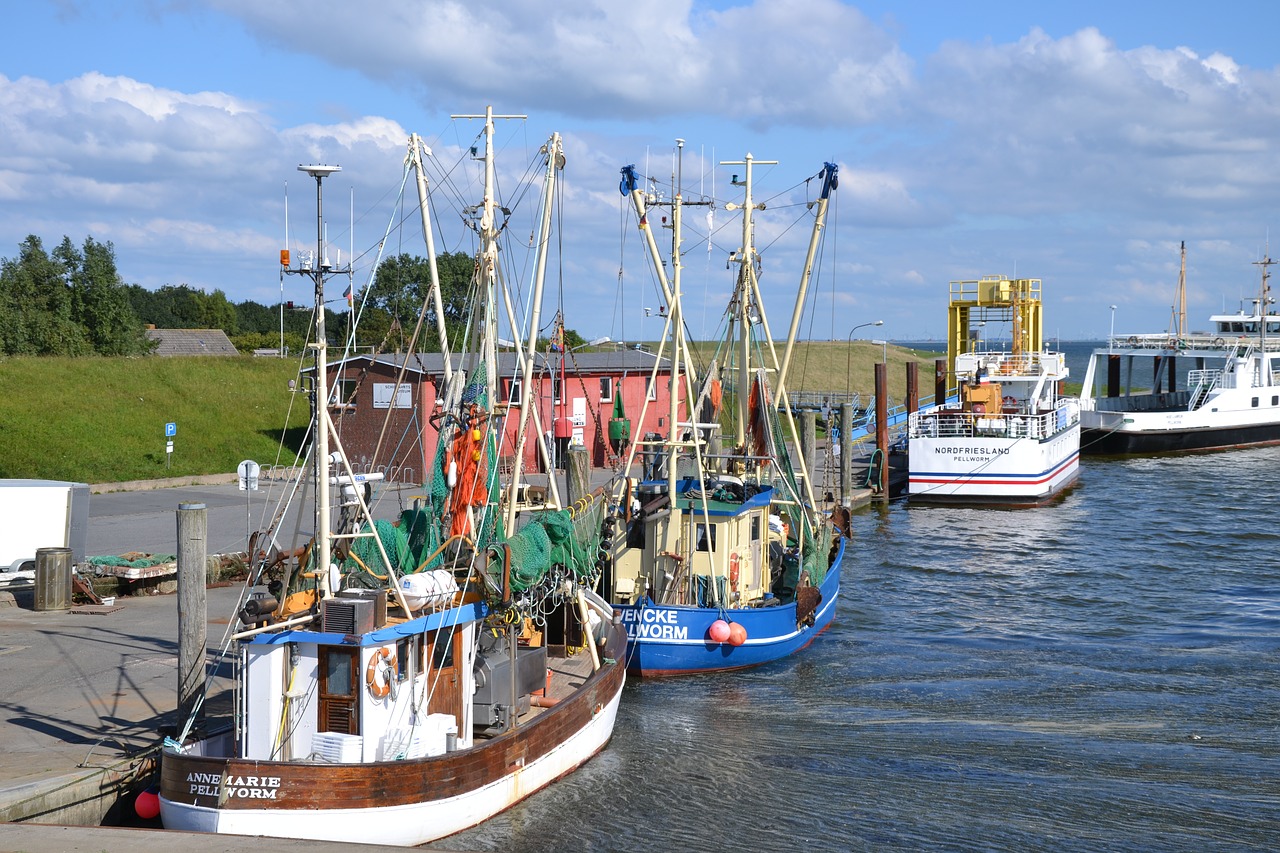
(147, 805)
(719, 631)
(737, 634)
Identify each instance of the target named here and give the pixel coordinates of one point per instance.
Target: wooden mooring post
(193, 609)
(882, 428)
(846, 453)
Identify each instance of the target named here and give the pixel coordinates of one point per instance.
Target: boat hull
(667, 640)
(1120, 440)
(402, 803)
(1017, 471)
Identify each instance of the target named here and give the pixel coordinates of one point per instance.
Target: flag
(349, 296)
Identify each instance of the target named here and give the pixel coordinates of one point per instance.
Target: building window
(555, 388)
(653, 390)
(344, 394)
(606, 389)
(514, 388)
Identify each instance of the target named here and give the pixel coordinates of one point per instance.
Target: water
(1098, 674)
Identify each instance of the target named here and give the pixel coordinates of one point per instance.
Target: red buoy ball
(737, 634)
(147, 804)
(719, 631)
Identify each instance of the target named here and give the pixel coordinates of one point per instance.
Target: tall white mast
(319, 270)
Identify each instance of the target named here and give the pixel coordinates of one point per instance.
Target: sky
(1078, 143)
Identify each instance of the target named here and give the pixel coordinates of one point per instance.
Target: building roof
(191, 342)
(611, 361)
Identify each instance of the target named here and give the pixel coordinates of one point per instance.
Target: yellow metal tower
(994, 299)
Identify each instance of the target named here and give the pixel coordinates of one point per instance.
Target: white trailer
(38, 514)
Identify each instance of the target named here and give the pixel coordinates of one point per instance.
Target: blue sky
(1076, 143)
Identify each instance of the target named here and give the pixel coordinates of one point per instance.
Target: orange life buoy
(380, 691)
(735, 566)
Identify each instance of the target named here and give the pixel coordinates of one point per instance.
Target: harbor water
(1102, 673)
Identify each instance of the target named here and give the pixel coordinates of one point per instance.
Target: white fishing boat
(390, 687)
(1178, 391)
(1009, 437)
(722, 559)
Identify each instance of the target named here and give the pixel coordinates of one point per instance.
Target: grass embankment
(102, 420)
(843, 367)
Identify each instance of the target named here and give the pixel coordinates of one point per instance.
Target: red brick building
(574, 398)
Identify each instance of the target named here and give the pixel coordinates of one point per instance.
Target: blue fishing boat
(719, 557)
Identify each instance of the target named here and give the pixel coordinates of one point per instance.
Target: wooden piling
(577, 473)
(846, 453)
(882, 427)
(939, 381)
(913, 387)
(809, 440)
(193, 610)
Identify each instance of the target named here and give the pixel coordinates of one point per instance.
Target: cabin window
(442, 652)
(1275, 401)
(408, 658)
(755, 528)
(339, 708)
(1255, 402)
(606, 389)
(1273, 328)
(702, 536)
(514, 387)
(344, 394)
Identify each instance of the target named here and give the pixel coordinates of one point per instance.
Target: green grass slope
(100, 420)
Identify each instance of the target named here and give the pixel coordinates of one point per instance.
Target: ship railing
(1200, 383)
(1163, 341)
(951, 423)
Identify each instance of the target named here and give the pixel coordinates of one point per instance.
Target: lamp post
(1111, 336)
(848, 367)
(884, 351)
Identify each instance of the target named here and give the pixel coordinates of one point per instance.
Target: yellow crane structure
(994, 299)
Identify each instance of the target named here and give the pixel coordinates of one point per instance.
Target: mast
(829, 182)
(677, 323)
(415, 161)
(555, 162)
(321, 268)
(1182, 292)
(1264, 300)
(742, 292)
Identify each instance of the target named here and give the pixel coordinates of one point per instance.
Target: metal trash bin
(53, 579)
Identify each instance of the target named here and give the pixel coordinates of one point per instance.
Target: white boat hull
(409, 824)
(1012, 470)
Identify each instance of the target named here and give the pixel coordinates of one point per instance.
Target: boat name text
(653, 624)
(237, 787)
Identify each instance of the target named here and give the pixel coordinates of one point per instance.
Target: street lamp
(1111, 337)
(848, 367)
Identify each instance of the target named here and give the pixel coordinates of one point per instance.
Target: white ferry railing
(1200, 383)
(1165, 341)
(951, 423)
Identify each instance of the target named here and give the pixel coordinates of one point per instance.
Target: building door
(339, 691)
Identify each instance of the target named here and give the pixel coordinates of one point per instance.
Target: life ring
(1219, 342)
(735, 567)
(376, 690)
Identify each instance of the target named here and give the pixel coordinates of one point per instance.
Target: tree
(99, 300)
(37, 298)
(400, 289)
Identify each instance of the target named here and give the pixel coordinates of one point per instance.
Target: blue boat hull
(667, 640)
